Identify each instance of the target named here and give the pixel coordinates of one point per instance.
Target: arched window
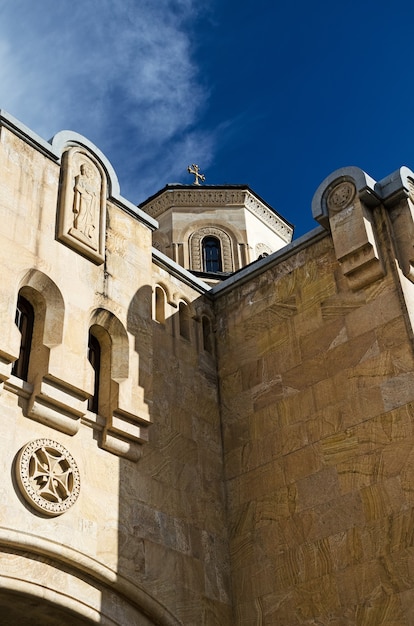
(108, 354)
(94, 357)
(24, 321)
(184, 318)
(159, 305)
(212, 254)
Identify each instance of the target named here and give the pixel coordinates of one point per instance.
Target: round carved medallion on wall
(48, 476)
(341, 196)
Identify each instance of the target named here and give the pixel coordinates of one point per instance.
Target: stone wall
(145, 540)
(251, 461)
(317, 398)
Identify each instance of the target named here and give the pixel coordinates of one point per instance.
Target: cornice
(276, 223)
(208, 197)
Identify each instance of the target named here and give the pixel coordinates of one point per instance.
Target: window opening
(24, 321)
(212, 254)
(159, 305)
(94, 356)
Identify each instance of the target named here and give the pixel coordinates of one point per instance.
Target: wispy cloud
(121, 73)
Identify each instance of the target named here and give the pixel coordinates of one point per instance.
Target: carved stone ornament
(48, 476)
(261, 250)
(201, 197)
(196, 255)
(341, 196)
(82, 204)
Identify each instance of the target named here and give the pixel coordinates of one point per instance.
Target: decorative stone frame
(196, 248)
(83, 230)
(47, 476)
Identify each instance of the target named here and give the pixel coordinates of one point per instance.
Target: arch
(67, 139)
(160, 299)
(39, 317)
(48, 569)
(196, 248)
(109, 330)
(184, 318)
(46, 298)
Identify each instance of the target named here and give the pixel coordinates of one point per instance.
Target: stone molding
(29, 548)
(260, 210)
(219, 198)
(196, 251)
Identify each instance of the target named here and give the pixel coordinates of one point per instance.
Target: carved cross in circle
(51, 474)
(47, 476)
(194, 169)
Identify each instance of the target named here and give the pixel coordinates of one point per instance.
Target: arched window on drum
(212, 261)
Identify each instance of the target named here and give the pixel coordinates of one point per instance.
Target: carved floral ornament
(47, 476)
(341, 196)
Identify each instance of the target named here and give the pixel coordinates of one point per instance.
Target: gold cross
(194, 169)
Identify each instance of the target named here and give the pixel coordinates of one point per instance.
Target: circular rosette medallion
(48, 476)
(341, 196)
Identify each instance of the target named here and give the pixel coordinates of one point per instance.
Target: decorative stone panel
(82, 204)
(47, 476)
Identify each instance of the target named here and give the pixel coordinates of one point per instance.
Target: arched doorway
(25, 610)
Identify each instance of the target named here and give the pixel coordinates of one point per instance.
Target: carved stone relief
(48, 476)
(196, 260)
(82, 204)
(341, 196)
(261, 250)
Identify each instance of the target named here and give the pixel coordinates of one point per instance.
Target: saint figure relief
(86, 206)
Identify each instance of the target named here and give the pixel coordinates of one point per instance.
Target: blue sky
(274, 95)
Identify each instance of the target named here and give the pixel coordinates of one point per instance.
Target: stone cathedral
(203, 422)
